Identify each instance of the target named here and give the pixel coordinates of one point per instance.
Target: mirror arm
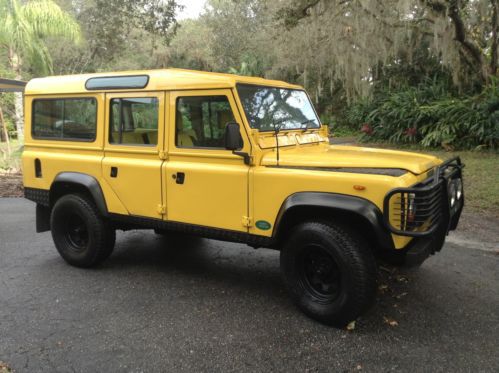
(246, 156)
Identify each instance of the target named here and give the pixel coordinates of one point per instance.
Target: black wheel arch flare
(337, 205)
(88, 182)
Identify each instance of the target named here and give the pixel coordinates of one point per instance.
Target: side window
(134, 121)
(200, 121)
(65, 119)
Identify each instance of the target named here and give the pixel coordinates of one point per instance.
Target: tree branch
(495, 41)
(452, 9)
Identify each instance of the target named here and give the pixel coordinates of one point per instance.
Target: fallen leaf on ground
(401, 295)
(351, 326)
(402, 279)
(390, 321)
(383, 288)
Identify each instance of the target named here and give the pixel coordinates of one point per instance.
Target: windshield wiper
(306, 123)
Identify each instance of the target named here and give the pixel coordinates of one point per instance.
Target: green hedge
(431, 116)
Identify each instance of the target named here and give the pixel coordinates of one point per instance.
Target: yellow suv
(231, 158)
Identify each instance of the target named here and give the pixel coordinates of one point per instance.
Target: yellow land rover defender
(231, 158)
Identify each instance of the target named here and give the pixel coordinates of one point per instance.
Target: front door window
(200, 121)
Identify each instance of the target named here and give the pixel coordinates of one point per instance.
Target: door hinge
(163, 156)
(162, 209)
(246, 221)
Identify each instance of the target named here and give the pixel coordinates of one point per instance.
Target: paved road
(204, 305)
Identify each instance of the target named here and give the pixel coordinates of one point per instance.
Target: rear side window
(65, 119)
(134, 121)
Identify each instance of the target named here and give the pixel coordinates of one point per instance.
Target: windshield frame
(278, 87)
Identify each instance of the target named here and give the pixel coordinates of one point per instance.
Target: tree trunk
(19, 116)
(469, 46)
(469, 50)
(15, 64)
(5, 132)
(495, 41)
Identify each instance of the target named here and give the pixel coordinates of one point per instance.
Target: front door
(207, 185)
(134, 139)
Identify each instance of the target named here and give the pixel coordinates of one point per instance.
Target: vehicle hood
(341, 156)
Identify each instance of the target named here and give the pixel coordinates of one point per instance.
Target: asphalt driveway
(203, 305)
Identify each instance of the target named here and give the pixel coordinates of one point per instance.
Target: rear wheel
(81, 235)
(329, 272)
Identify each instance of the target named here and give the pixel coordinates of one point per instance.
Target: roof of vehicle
(11, 85)
(159, 80)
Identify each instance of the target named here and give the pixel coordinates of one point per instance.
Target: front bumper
(429, 207)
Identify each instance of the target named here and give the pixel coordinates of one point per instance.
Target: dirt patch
(480, 226)
(11, 185)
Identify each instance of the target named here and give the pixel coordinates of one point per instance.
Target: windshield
(268, 108)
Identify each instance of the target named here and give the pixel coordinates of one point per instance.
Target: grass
(481, 179)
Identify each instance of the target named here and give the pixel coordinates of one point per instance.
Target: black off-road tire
(330, 272)
(81, 235)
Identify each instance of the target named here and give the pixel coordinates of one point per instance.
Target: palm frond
(40, 59)
(23, 25)
(4, 13)
(47, 19)
(17, 33)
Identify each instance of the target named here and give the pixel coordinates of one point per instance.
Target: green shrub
(337, 128)
(429, 115)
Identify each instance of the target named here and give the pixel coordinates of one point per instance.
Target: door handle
(114, 171)
(179, 177)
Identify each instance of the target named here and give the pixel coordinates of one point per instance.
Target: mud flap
(42, 218)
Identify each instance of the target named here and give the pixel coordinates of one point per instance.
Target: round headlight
(452, 193)
(459, 188)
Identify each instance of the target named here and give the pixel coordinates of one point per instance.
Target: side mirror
(233, 138)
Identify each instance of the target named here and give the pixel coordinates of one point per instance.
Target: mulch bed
(11, 185)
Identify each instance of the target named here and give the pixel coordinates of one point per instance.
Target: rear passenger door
(134, 138)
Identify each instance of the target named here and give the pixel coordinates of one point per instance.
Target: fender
(338, 203)
(88, 182)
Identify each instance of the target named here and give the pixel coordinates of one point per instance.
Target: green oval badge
(263, 225)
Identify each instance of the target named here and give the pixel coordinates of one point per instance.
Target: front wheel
(82, 237)
(329, 272)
